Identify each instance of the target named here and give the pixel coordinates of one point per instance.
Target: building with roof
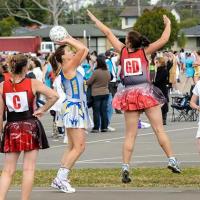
(88, 33)
(130, 15)
(193, 37)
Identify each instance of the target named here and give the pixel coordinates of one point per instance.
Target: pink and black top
(135, 67)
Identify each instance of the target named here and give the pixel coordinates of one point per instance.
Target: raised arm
(80, 55)
(153, 47)
(107, 32)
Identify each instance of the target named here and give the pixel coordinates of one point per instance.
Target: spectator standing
(161, 81)
(99, 84)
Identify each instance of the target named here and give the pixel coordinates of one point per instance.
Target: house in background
(87, 33)
(130, 14)
(193, 38)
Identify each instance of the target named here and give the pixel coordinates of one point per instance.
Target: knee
(29, 167)
(128, 145)
(159, 130)
(9, 171)
(80, 148)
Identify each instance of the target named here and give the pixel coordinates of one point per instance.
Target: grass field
(141, 177)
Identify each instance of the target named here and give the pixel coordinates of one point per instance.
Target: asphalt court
(110, 194)
(104, 149)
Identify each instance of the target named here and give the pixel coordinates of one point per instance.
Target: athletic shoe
(173, 165)
(145, 125)
(62, 185)
(94, 131)
(125, 177)
(111, 129)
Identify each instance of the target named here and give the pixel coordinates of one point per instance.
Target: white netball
(58, 33)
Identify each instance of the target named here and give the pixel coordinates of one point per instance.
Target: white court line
(166, 190)
(116, 162)
(118, 138)
(143, 156)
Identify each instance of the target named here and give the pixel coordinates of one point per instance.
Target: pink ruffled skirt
(138, 97)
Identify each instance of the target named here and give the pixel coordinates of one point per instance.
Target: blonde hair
(161, 61)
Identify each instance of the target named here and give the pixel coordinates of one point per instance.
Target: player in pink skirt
(139, 94)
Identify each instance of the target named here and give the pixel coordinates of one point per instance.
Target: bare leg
(9, 168)
(28, 173)
(131, 123)
(155, 117)
(77, 137)
(68, 148)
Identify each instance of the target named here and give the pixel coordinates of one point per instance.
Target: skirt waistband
(13, 116)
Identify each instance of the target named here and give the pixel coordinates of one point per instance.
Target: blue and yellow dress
(74, 108)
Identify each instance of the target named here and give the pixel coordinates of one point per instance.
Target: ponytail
(144, 41)
(56, 59)
(137, 40)
(17, 63)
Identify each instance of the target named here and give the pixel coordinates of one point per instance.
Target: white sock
(172, 158)
(125, 167)
(63, 173)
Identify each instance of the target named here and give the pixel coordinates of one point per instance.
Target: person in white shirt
(194, 103)
(37, 69)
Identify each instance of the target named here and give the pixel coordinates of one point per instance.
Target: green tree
(26, 11)
(151, 25)
(108, 13)
(182, 40)
(7, 25)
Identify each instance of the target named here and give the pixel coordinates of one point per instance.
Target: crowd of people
(128, 79)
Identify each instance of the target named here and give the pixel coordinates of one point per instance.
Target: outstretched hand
(166, 20)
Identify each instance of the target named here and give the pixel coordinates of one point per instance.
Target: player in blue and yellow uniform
(74, 108)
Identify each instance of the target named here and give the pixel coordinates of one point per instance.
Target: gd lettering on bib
(17, 101)
(132, 67)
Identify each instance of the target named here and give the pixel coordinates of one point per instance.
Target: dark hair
(56, 58)
(37, 63)
(94, 53)
(153, 55)
(17, 63)
(88, 57)
(101, 63)
(137, 40)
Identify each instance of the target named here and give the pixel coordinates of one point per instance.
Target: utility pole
(139, 8)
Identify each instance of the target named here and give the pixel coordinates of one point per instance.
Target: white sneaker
(111, 129)
(62, 185)
(145, 125)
